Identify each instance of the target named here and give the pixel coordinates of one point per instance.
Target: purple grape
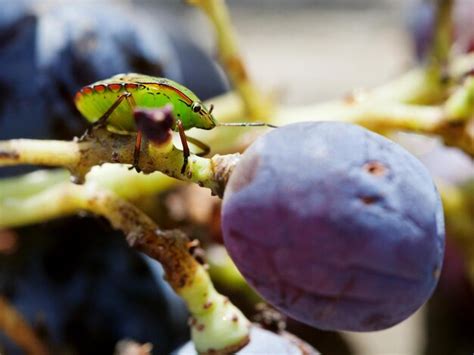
(334, 225)
(422, 21)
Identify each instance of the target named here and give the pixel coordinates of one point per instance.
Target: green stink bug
(112, 102)
(94, 100)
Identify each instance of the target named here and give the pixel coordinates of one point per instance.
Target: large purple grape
(335, 225)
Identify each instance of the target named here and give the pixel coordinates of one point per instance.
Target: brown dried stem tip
(13, 325)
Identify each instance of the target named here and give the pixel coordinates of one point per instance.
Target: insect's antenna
(211, 107)
(246, 124)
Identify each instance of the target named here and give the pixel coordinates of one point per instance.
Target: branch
(386, 117)
(217, 324)
(104, 146)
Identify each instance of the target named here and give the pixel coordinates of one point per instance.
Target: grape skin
(263, 341)
(335, 225)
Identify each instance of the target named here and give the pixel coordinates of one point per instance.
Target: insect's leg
(205, 148)
(184, 142)
(136, 152)
(138, 139)
(103, 119)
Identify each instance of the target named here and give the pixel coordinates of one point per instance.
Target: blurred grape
(450, 313)
(264, 342)
(421, 23)
(84, 289)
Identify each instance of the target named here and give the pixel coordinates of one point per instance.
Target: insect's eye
(196, 107)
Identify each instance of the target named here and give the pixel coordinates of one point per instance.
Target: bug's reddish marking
(86, 90)
(78, 96)
(99, 88)
(131, 86)
(115, 87)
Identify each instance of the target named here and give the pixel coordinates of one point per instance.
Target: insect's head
(203, 117)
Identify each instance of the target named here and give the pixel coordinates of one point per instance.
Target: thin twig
(17, 329)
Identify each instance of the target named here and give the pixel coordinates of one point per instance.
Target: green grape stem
(217, 325)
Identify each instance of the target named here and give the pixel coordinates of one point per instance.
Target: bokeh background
(314, 50)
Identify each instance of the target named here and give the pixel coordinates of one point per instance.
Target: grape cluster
(334, 225)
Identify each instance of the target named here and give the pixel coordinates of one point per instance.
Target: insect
(111, 103)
